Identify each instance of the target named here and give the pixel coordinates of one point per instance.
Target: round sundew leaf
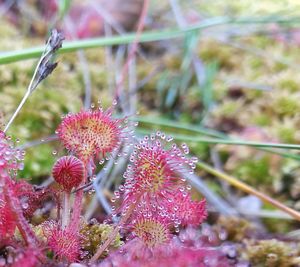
(90, 132)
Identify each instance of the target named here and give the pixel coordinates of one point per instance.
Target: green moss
(254, 171)
(236, 228)
(261, 119)
(229, 108)
(289, 84)
(271, 253)
(225, 56)
(256, 63)
(96, 234)
(286, 104)
(279, 66)
(286, 134)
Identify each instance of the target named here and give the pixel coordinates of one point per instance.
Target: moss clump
(287, 129)
(229, 108)
(289, 84)
(285, 104)
(95, 235)
(255, 170)
(270, 253)
(261, 119)
(226, 56)
(236, 228)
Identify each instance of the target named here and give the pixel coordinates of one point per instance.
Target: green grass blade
(63, 7)
(215, 141)
(209, 132)
(71, 46)
(179, 125)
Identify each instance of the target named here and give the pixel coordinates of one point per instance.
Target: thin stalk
(133, 48)
(248, 189)
(17, 110)
(77, 206)
(30, 89)
(65, 210)
(22, 224)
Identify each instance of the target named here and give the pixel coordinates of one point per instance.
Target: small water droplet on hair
(121, 188)
(92, 191)
(25, 206)
(169, 138)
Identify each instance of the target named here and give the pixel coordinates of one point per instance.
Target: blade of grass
(227, 141)
(13, 56)
(209, 132)
(235, 142)
(179, 125)
(210, 72)
(63, 8)
(248, 189)
(71, 46)
(261, 146)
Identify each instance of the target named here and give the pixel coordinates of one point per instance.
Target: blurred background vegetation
(236, 80)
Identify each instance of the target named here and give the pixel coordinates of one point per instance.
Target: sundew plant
(151, 133)
(167, 136)
(154, 218)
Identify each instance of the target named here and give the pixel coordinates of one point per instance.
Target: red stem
(134, 47)
(22, 224)
(77, 205)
